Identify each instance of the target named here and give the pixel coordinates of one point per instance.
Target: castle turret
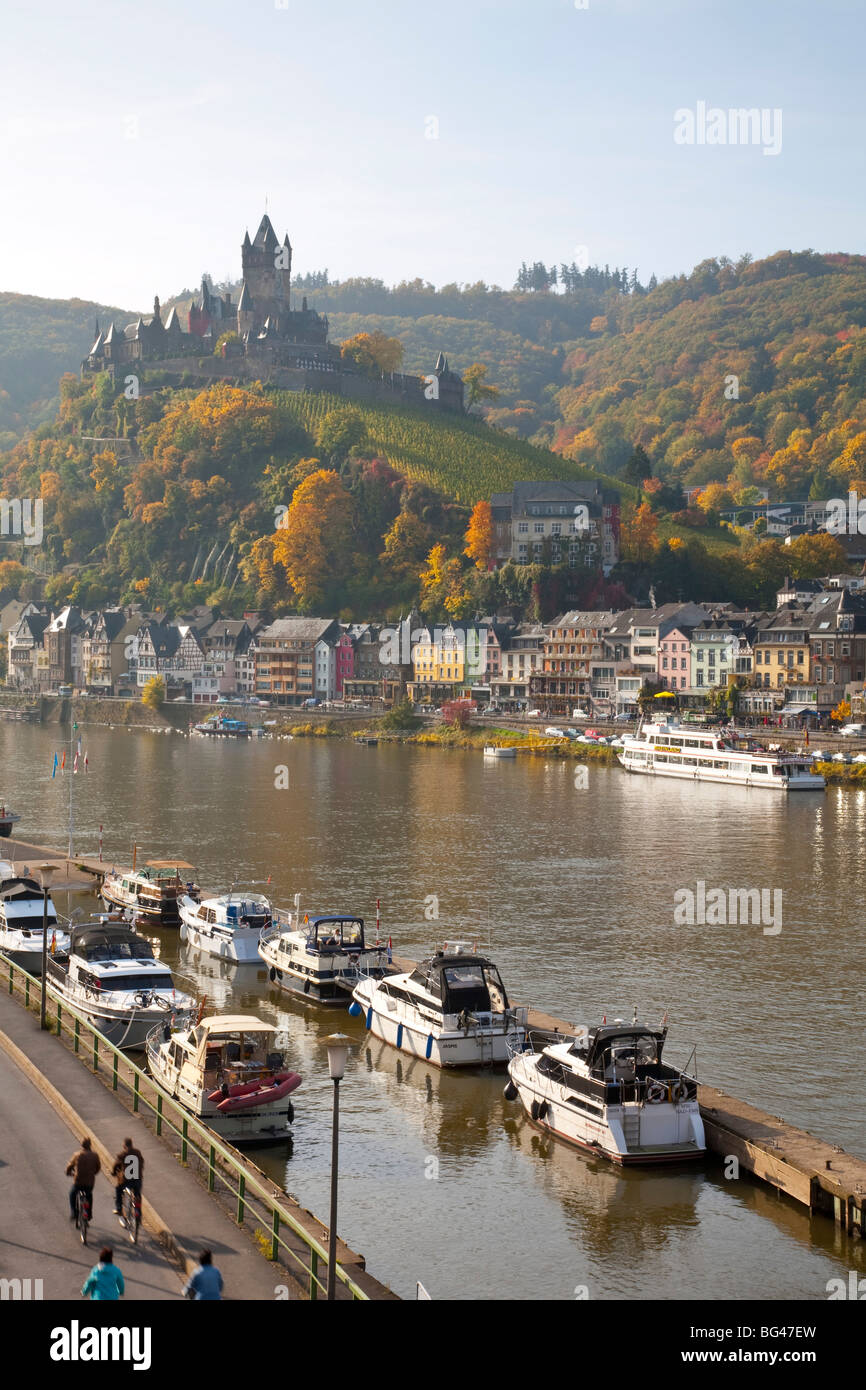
(267, 273)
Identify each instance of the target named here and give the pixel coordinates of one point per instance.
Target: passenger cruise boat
(607, 1090)
(21, 920)
(151, 894)
(704, 755)
(314, 955)
(452, 1009)
(7, 820)
(228, 1072)
(229, 925)
(112, 977)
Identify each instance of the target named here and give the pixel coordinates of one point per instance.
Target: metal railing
(221, 1164)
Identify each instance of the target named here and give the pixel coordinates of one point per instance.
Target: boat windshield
(241, 1056)
(339, 934)
(126, 983)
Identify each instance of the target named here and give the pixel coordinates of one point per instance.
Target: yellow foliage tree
(153, 694)
(314, 543)
(479, 536)
(638, 535)
(373, 352)
(842, 713)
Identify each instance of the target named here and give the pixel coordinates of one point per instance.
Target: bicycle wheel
(83, 1219)
(132, 1218)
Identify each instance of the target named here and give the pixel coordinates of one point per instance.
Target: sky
(447, 139)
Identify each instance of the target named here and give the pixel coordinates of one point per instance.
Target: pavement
(48, 1101)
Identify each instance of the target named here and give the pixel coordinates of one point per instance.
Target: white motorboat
(112, 977)
(228, 1072)
(666, 749)
(452, 1009)
(320, 957)
(151, 894)
(21, 926)
(607, 1090)
(495, 750)
(228, 926)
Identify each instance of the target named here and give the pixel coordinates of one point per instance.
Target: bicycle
(83, 1213)
(130, 1213)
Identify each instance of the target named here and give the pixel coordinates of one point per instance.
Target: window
(522, 528)
(538, 528)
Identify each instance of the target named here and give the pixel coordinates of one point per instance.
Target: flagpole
(71, 738)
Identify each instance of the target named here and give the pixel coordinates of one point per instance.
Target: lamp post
(338, 1050)
(45, 871)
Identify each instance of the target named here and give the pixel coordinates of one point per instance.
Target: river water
(570, 887)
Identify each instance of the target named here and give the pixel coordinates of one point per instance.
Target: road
(37, 1239)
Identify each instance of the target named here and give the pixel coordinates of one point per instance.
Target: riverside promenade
(41, 1079)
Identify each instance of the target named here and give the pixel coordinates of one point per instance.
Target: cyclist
(83, 1167)
(129, 1171)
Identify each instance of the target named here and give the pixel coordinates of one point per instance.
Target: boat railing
(273, 1213)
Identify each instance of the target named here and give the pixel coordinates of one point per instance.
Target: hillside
(596, 369)
(40, 339)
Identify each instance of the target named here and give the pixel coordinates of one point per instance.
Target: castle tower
(267, 273)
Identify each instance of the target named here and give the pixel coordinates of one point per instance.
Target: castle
(268, 339)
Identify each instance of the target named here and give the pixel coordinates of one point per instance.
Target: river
(570, 887)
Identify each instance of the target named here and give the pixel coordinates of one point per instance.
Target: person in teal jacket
(205, 1285)
(105, 1280)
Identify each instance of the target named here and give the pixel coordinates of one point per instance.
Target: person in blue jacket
(206, 1284)
(105, 1280)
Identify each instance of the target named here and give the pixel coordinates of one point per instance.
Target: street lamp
(45, 871)
(338, 1051)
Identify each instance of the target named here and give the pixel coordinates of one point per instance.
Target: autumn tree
(153, 694)
(443, 586)
(842, 713)
(373, 353)
(638, 535)
(314, 544)
(479, 536)
(406, 544)
(476, 385)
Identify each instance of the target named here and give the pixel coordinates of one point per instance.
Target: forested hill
(737, 374)
(40, 339)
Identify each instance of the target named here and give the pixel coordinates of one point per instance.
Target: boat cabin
(333, 934)
(22, 904)
(232, 1049)
(109, 956)
(462, 983)
(618, 1052)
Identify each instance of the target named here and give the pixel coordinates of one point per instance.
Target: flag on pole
(53, 942)
(54, 768)
(389, 950)
(85, 762)
(63, 762)
(75, 763)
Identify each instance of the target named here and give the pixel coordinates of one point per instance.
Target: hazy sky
(139, 140)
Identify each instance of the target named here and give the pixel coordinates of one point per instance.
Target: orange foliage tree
(479, 536)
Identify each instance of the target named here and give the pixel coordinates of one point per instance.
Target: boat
(320, 957)
(452, 1009)
(112, 977)
(221, 727)
(21, 926)
(665, 749)
(227, 926)
(607, 1090)
(7, 820)
(227, 1071)
(493, 750)
(153, 893)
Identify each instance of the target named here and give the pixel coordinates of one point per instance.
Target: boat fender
(655, 1093)
(184, 931)
(429, 1048)
(369, 1019)
(290, 1114)
(272, 974)
(679, 1092)
(306, 986)
(399, 1035)
(534, 1109)
(543, 1110)
(354, 1008)
(510, 1092)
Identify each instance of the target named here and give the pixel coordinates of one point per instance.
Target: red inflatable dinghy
(256, 1092)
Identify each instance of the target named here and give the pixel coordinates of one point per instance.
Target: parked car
(853, 731)
(623, 718)
(553, 732)
(534, 714)
(579, 714)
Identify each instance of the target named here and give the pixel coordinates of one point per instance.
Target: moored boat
(227, 1071)
(452, 1009)
(112, 977)
(607, 1090)
(496, 750)
(665, 749)
(151, 894)
(228, 925)
(8, 818)
(21, 924)
(320, 957)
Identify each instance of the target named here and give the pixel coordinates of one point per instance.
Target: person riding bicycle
(129, 1171)
(83, 1166)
